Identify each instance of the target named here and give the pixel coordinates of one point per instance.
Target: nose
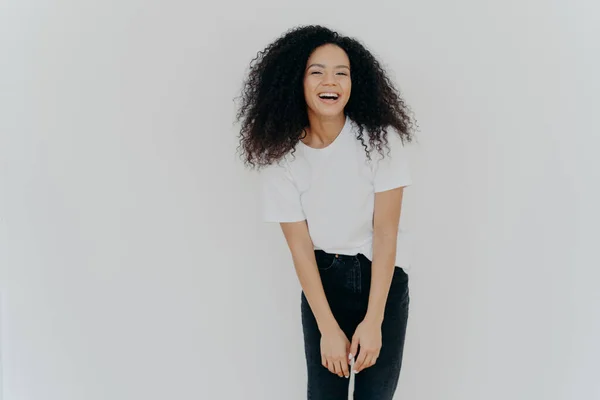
(328, 78)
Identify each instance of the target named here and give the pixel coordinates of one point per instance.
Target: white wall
(133, 262)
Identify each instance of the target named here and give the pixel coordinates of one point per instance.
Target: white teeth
(335, 95)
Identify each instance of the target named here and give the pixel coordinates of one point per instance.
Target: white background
(133, 261)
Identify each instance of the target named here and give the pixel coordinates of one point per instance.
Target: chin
(329, 112)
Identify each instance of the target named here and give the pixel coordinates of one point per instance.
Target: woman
(326, 127)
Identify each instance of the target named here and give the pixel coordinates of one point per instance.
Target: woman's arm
(303, 255)
(386, 219)
(385, 236)
(334, 343)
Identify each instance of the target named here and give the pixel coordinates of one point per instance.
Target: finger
(375, 357)
(324, 361)
(354, 346)
(371, 362)
(345, 370)
(365, 363)
(338, 369)
(360, 361)
(331, 364)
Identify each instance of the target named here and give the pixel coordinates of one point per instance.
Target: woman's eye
(320, 73)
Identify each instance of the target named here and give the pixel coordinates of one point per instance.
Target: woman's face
(327, 82)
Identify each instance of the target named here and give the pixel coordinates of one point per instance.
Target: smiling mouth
(329, 96)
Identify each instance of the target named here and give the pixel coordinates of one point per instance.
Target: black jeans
(346, 281)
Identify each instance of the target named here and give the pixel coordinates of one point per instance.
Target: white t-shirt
(334, 188)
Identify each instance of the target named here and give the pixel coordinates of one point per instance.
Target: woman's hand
(368, 336)
(334, 351)
(334, 343)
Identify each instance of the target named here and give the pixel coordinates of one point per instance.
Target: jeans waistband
(342, 257)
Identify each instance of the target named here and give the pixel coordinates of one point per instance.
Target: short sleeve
(393, 170)
(279, 195)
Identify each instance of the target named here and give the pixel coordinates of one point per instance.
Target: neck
(321, 131)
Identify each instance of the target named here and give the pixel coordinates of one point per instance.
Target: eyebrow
(322, 66)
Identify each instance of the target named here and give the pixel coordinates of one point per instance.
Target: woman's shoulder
(392, 140)
(283, 165)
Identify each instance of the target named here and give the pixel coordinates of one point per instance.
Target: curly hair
(273, 110)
